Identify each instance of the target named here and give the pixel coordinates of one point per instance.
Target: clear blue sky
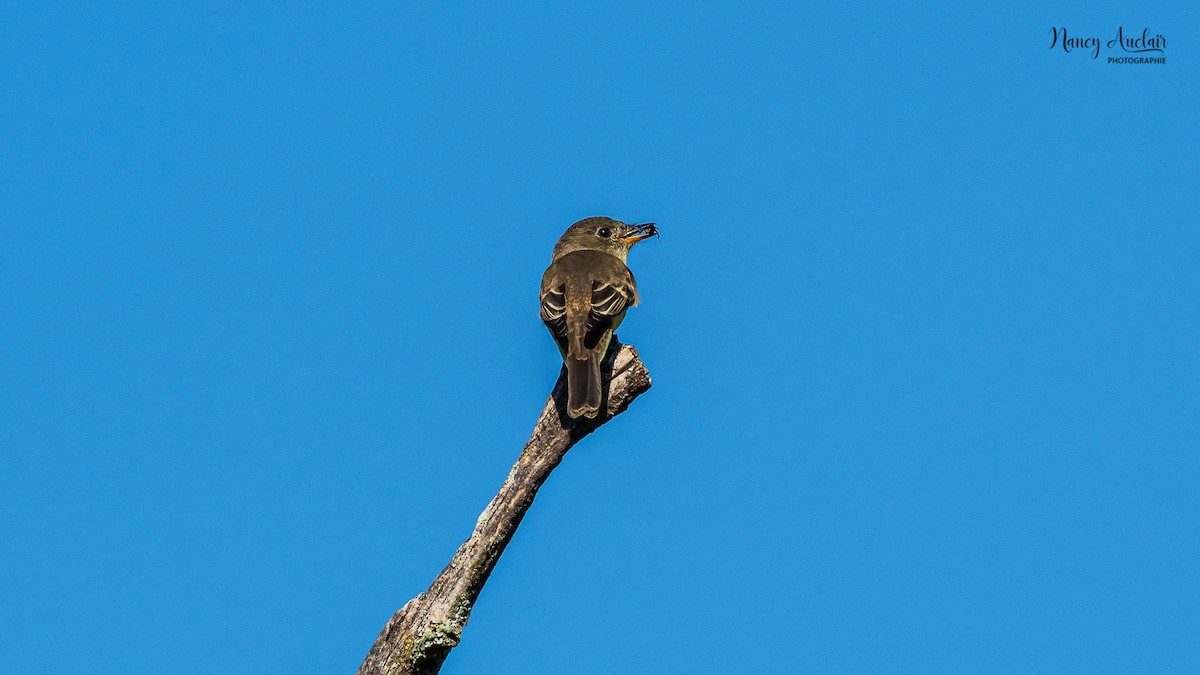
(923, 326)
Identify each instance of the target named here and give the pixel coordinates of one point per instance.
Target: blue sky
(922, 324)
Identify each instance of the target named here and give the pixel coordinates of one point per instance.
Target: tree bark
(418, 637)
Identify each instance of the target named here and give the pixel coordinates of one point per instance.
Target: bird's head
(603, 234)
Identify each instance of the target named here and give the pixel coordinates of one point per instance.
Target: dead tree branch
(418, 637)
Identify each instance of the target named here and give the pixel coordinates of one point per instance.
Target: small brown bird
(585, 293)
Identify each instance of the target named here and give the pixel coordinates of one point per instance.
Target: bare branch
(418, 637)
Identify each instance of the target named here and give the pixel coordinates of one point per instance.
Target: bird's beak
(637, 233)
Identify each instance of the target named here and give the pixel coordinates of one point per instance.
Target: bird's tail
(583, 384)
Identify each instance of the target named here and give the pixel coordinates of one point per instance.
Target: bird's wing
(554, 308)
(610, 299)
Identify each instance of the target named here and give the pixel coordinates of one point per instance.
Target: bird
(584, 296)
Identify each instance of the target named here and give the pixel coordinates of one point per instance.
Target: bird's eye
(604, 232)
